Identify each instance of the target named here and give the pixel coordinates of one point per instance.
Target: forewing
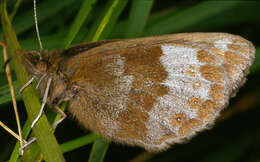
(157, 91)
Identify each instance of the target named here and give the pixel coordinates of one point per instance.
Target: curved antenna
(36, 24)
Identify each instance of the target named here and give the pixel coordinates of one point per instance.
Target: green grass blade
(15, 9)
(80, 18)
(99, 150)
(177, 21)
(105, 23)
(79, 142)
(25, 132)
(139, 13)
(46, 9)
(25, 21)
(5, 95)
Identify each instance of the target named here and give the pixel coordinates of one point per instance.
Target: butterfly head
(36, 63)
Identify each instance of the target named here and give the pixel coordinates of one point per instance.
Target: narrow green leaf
(79, 142)
(25, 132)
(177, 21)
(45, 9)
(105, 23)
(5, 95)
(139, 13)
(15, 9)
(80, 18)
(99, 150)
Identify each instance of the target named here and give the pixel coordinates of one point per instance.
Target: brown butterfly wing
(156, 91)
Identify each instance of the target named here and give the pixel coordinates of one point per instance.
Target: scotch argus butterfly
(151, 92)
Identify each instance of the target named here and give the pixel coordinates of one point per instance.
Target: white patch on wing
(174, 55)
(122, 87)
(176, 60)
(116, 65)
(222, 44)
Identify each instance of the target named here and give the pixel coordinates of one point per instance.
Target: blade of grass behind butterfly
(180, 20)
(25, 132)
(98, 150)
(79, 20)
(45, 10)
(79, 142)
(33, 153)
(103, 26)
(45, 138)
(15, 9)
(138, 16)
(5, 93)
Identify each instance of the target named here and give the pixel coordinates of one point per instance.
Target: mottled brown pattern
(192, 71)
(229, 68)
(217, 92)
(148, 60)
(166, 137)
(243, 46)
(207, 109)
(142, 99)
(178, 119)
(218, 53)
(188, 125)
(196, 85)
(90, 121)
(204, 56)
(238, 48)
(159, 90)
(194, 103)
(133, 122)
(231, 71)
(149, 71)
(235, 58)
(212, 73)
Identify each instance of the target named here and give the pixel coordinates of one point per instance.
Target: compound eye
(41, 66)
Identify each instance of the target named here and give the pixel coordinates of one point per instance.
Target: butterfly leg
(27, 84)
(44, 101)
(26, 145)
(63, 116)
(40, 80)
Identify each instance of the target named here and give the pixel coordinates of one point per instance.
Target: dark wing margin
(74, 50)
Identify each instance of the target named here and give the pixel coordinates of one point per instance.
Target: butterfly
(150, 92)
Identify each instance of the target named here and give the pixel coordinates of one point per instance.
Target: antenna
(36, 24)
